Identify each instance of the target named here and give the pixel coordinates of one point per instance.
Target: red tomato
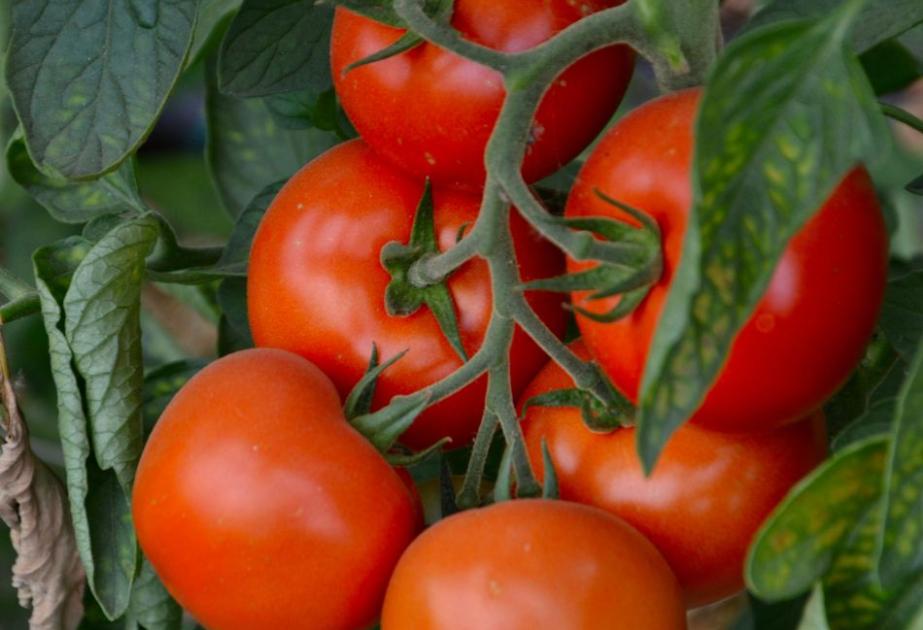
(707, 497)
(316, 286)
(432, 112)
(811, 327)
(260, 507)
(528, 564)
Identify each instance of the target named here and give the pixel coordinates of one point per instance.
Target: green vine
(681, 57)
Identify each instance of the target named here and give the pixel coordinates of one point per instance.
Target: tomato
(432, 112)
(528, 564)
(260, 507)
(316, 286)
(808, 331)
(708, 495)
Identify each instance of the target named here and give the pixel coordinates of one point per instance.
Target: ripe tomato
(707, 497)
(528, 564)
(432, 112)
(316, 286)
(812, 325)
(260, 507)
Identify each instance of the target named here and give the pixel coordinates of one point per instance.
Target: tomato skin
(244, 508)
(707, 497)
(316, 286)
(528, 564)
(432, 112)
(813, 323)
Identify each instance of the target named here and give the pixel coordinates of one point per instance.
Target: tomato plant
(182, 182)
(706, 498)
(799, 345)
(317, 288)
(545, 564)
(243, 508)
(431, 112)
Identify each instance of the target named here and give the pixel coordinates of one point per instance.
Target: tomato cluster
(260, 506)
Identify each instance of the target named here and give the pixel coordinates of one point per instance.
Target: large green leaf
(277, 46)
(73, 201)
(786, 113)
(212, 15)
(89, 77)
(902, 536)
(98, 504)
(247, 149)
(798, 543)
(879, 20)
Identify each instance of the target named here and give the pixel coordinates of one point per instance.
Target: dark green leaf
(70, 201)
(763, 166)
(902, 536)
(151, 605)
(799, 541)
(89, 78)
(277, 46)
(916, 186)
(891, 67)
(247, 150)
(879, 20)
(902, 313)
(237, 250)
(875, 421)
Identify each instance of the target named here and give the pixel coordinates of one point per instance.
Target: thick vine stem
(680, 56)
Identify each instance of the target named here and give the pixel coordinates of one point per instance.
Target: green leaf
(276, 46)
(98, 504)
(151, 605)
(233, 328)
(902, 314)
(878, 21)
(70, 201)
(89, 78)
(101, 324)
(902, 536)
(211, 19)
(247, 149)
(855, 600)
(760, 172)
(799, 541)
(237, 250)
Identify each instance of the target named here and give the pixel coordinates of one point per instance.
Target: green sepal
(596, 416)
(383, 427)
(630, 262)
(503, 487)
(402, 297)
(916, 186)
(359, 400)
(447, 504)
(408, 41)
(405, 460)
(550, 486)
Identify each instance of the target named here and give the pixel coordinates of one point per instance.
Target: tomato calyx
(630, 262)
(383, 427)
(596, 416)
(403, 296)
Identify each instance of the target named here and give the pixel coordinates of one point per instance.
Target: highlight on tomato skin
(431, 112)
(316, 286)
(708, 494)
(532, 563)
(811, 327)
(259, 506)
